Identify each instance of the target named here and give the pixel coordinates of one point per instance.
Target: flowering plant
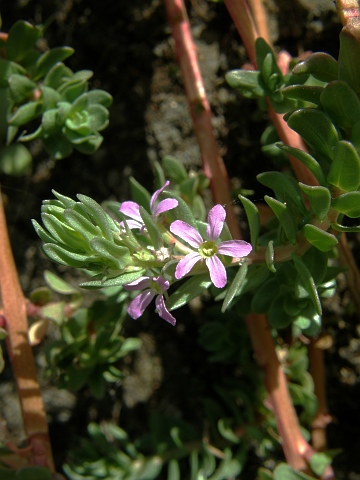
(158, 247)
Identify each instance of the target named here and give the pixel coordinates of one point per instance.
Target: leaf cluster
(37, 88)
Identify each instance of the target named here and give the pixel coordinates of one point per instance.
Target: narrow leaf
(253, 217)
(308, 282)
(284, 216)
(235, 286)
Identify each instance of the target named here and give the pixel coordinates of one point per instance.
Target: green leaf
(306, 159)
(50, 97)
(317, 130)
(99, 97)
(50, 58)
(320, 65)
(345, 169)
(151, 227)
(139, 194)
(66, 257)
(341, 103)
(277, 316)
(320, 199)
(318, 462)
(173, 470)
(58, 284)
(182, 211)
(285, 188)
(308, 282)
(25, 113)
(22, 38)
(343, 228)
(20, 87)
(98, 215)
(322, 240)
(264, 295)
(189, 290)
(15, 160)
(174, 169)
(58, 75)
(120, 280)
(270, 256)
(253, 217)
(118, 255)
(58, 146)
(285, 472)
(348, 204)
(248, 82)
(304, 93)
(284, 216)
(82, 225)
(235, 286)
(349, 67)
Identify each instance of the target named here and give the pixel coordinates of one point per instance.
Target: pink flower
(153, 286)
(208, 249)
(131, 209)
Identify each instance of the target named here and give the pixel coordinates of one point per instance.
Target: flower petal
(186, 264)
(132, 224)
(138, 284)
(163, 311)
(131, 209)
(164, 284)
(216, 219)
(155, 196)
(138, 304)
(217, 271)
(235, 248)
(187, 233)
(164, 206)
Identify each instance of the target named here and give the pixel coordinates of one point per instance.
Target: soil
(128, 46)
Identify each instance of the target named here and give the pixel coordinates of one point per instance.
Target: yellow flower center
(208, 249)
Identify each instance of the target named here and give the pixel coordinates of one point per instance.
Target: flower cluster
(208, 251)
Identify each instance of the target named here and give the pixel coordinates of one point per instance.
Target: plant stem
(212, 162)
(20, 353)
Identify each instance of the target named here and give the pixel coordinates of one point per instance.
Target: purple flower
(153, 286)
(131, 209)
(208, 249)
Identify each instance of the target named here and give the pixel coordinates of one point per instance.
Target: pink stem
(200, 109)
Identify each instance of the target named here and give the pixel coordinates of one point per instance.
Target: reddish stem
(14, 310)
(200, 109)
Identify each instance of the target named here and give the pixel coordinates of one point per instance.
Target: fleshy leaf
(153, 232)
(15, 159)
(139, 194)
(308, 282)
(58, 284)
(100, 217)
(20, 87)
(236, 284)
(349, 67)
(285, 188)
(284, 216)
(320, 199)
(305, 93)
(253, 217)
(174, 169)
(189, 290)
(22, 38)
(341, 103)
(345, 169)
(317, 130)
(248, 82)
(50, 58)
(320, 65)
(306, 159)
(322, 240)
(348, 204)
(270, 256)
